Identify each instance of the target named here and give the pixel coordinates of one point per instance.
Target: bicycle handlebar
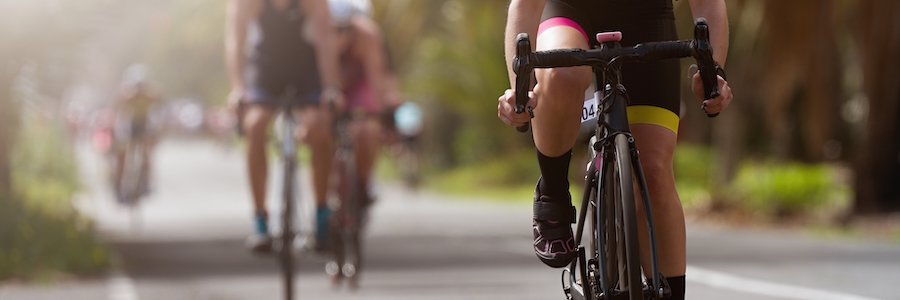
(699, 48)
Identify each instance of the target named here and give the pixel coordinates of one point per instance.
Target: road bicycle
(133, 184)
(610, 267)
(293, 234)
(346, 225)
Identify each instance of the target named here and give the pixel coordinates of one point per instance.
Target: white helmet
(135, 76)
(344, 10)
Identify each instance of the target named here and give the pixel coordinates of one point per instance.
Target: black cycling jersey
(281, 58)
(654, 84)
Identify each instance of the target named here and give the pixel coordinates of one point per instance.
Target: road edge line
(764, 288)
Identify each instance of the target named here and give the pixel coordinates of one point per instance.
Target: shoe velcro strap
(552, 211)
(554, 233)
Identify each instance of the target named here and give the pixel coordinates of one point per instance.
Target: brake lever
(707, 66)
(522, 67)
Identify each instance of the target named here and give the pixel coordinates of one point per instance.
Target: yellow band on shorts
(646, 114)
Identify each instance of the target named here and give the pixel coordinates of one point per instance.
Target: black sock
(555, 175)
(677, 286)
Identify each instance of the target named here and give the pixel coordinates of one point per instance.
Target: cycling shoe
(554, 242)
(259, 243)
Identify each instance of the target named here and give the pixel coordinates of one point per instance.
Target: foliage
(40, 232)
(787, 189)
(459, 67)
(44, 168)
(692, 173)
(509, 177)
(186, 49)
(34, 243)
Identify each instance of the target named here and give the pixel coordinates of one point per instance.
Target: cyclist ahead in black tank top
(281, 56)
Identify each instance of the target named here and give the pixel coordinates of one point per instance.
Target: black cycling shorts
(654, 88)
(269, 86)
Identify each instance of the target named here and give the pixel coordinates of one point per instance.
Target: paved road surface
(188, 244)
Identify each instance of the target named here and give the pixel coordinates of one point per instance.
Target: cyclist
(292, 52)
(132, 125)
(364, 75)
(654, 109)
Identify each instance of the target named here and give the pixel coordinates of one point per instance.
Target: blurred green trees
(804, 80)
(814, 80)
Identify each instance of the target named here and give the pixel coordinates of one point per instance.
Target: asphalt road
(186, 242)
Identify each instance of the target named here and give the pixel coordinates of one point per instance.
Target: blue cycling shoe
(323, 217)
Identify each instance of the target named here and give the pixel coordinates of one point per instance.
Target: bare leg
(366, 134)
(119, 171)
(657, 146)
(560, 94)
(318, 135)
(256, 123)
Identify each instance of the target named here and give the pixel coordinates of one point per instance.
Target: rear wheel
(351, 221)
(345, 226)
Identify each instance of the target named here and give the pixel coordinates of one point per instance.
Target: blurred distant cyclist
(364, 74)
(133, 128)
(277, 48)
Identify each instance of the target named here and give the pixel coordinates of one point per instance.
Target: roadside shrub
(34, 243)
(40, 231)
(692, 173)
(787, 189)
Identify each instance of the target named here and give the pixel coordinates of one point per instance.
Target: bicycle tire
(609, 234)
(351, 225)
(129, 182)
(628, 247)
(589, 284)
(348, 224)
(286, 255)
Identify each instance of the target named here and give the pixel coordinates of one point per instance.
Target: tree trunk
(820, 113)
(878, 164)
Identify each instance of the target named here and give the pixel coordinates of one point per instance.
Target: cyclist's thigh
(257, 118)
(562, 27)
(657, 146)
(316, 122)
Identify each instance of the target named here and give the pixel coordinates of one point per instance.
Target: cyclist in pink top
(364, 78)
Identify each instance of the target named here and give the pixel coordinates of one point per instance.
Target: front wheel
(621, 237)
(286, 253)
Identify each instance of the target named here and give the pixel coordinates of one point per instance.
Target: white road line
(119, 285)
(759, 287)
